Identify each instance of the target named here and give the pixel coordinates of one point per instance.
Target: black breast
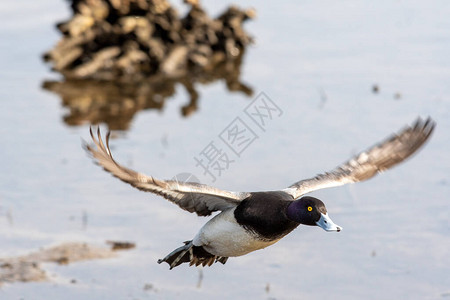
(264, 213)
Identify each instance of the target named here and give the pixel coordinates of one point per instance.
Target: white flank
(223, 236)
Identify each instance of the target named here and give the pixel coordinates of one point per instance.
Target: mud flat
(29, 267)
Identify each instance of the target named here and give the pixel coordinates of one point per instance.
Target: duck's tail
(194, 255)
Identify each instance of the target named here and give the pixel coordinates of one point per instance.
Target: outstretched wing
(367, 164)
(190, 196)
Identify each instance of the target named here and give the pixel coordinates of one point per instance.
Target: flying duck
(249, 221)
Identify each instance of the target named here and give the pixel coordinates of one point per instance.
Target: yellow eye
(309, 208)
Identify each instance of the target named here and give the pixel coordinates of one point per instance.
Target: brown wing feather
(367, 164)
(193, 197)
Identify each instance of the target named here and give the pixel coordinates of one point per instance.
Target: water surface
(318, 62)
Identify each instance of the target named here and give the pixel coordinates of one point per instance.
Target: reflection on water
(115, 103)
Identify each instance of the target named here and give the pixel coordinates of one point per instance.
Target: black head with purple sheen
(311, 211)
(306, 210)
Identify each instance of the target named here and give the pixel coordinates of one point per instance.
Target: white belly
(223, 236)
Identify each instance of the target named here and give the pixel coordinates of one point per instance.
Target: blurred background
(341, 76)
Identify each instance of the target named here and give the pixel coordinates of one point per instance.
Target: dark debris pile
(129, 40)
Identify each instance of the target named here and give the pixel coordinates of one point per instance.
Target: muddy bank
(28, 268)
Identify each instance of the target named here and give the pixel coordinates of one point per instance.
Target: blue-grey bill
(327, 224)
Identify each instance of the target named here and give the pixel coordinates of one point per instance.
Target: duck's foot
(194, 255)
(178, 256)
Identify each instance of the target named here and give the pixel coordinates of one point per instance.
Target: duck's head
(311, 211)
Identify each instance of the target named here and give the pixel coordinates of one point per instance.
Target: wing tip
(427, 124)
(98, 141)
(424, 128)
(420, 131)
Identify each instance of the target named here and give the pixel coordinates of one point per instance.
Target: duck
(250, 221)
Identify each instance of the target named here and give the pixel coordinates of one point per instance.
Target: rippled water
(318, 62)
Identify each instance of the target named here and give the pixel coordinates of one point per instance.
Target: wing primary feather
(380, 157)
(100, 140)
(108, 134)
(193, 197)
